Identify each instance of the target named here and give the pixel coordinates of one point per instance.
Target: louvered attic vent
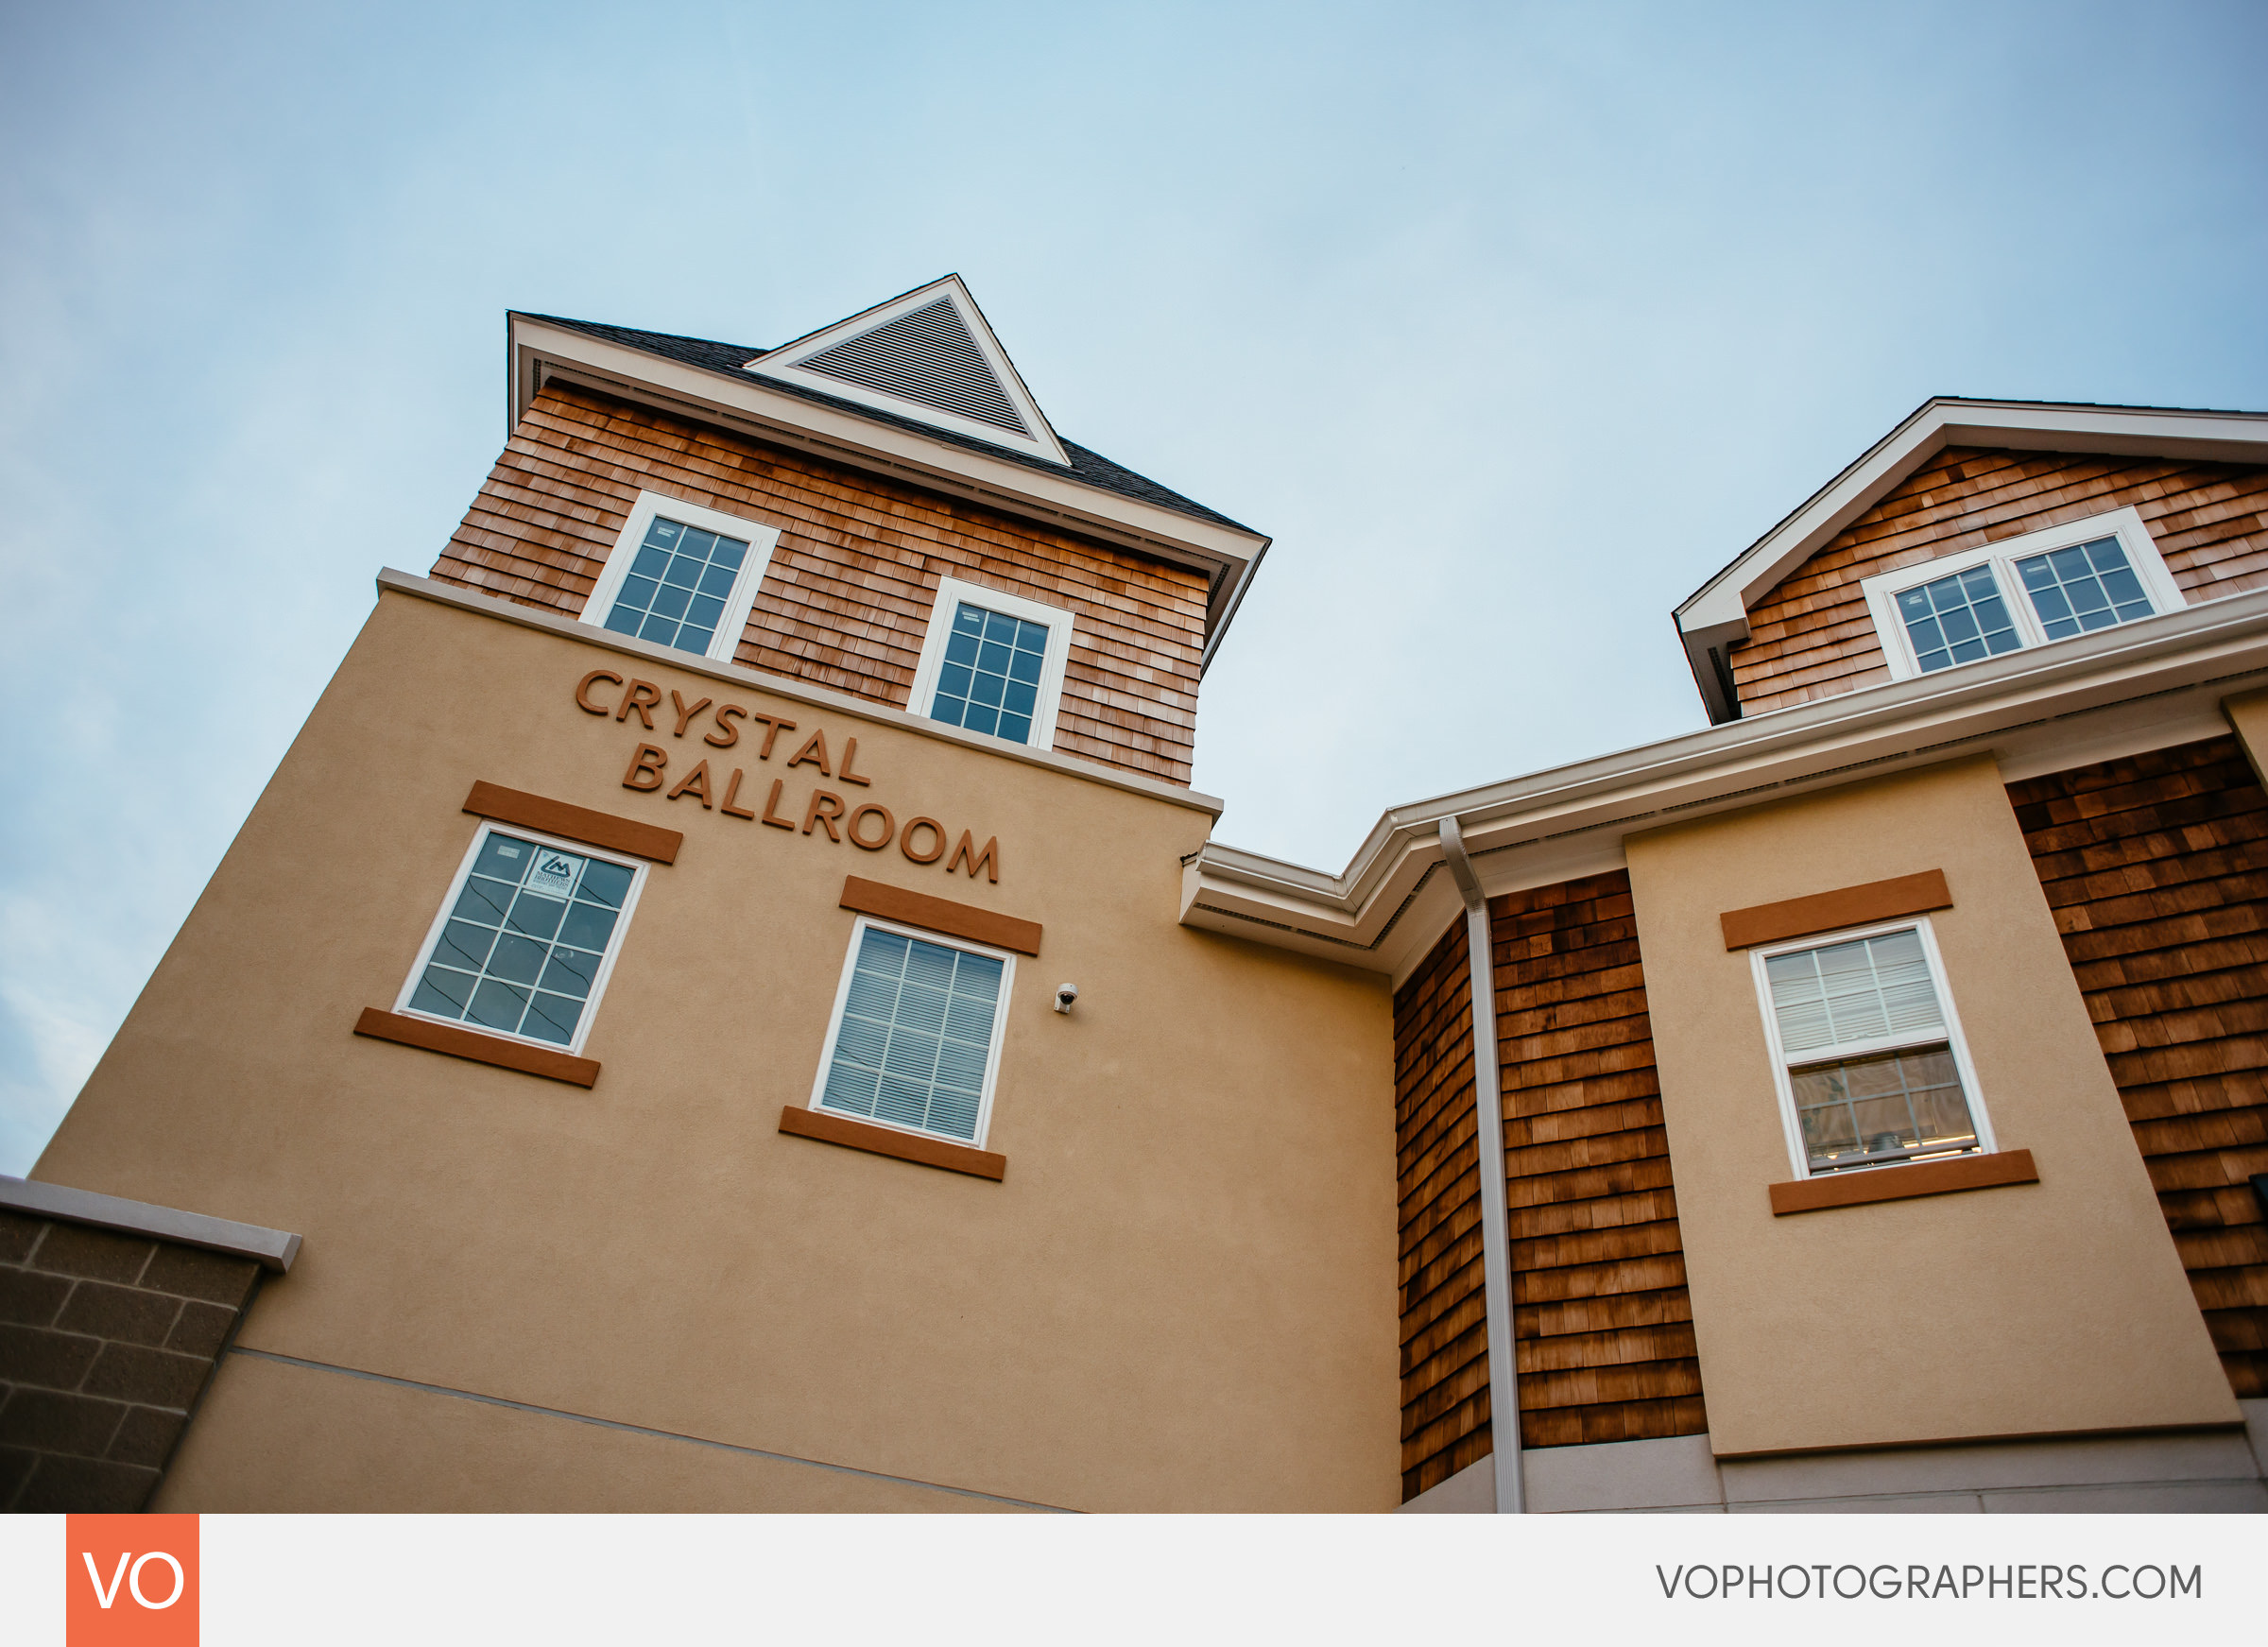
(927, 358)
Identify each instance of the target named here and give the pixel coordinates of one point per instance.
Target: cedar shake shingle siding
(2156, 867)
(847, 599)
(1811, 637)
(1444, 1322)
(1602, 1320)
(1601, 1316)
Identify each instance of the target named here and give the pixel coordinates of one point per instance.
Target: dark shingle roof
(1091, 467)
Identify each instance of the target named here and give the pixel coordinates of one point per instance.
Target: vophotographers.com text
(1889, 1581)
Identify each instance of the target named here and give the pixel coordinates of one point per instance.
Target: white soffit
(928, 356)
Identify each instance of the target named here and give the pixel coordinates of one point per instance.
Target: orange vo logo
(130, 1581)
(864, 820)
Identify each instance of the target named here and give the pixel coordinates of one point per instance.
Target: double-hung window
(2024, 591)
(682, 575)
(1867, 1051)
(993, 662)
(526, 938)
(915, 1041)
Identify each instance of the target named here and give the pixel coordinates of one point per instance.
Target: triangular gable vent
(927, 355)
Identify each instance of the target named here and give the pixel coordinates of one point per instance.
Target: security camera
(1065, 995)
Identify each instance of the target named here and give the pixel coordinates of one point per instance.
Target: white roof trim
(786, 363)
(2141, 685)
(1718, 611)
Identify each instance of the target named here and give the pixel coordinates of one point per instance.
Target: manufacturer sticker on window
(553, 875)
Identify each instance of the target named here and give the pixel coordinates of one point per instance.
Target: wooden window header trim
(1944, 1177)
(942, 915)
(885, 1140)
(574, 823)
(481, 1049)
(1768, 923)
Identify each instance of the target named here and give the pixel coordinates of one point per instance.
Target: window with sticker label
(525, 939)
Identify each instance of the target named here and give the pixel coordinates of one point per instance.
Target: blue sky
(1511, 324)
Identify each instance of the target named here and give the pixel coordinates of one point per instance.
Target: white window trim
(842, 1000)
(950, 593)
(638, 868)
(1798, 1156)
(762, 540)
(1883, 588)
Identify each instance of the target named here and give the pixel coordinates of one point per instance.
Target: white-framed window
(2021, 592)
(1866, 1050)
(993, 662)
(914, 1043)
(527, 938)
(682, 574)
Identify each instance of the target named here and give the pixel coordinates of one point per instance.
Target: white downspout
(1496, 1245)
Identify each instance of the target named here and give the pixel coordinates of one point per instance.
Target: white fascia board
(2207, 437)
(2138, 686)
(804, 691)
(1227, 556)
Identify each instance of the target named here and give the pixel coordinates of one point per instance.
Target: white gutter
(2021, 706)
(1496, 1220)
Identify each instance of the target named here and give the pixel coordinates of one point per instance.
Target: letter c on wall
(582, 692)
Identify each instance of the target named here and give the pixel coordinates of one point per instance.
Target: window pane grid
(1893, 1107)
(989, 681)
(1957, 620)
(2089, 586)
(677, 586)
(521, 950)
(916, 1035)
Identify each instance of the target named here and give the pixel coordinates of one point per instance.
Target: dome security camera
(1066, 994)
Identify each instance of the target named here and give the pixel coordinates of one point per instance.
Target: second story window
(2045, 586)
(681, 575)
(526, 938)
(915, 1043)
(993, 662)
(1868, 1058)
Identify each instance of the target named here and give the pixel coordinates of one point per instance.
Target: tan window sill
(884, 1140)
(481, 1049)
(1945, 1178)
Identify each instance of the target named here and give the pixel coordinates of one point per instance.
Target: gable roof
(929, 354)
(1715, 616)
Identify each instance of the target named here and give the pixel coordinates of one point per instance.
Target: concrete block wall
(107, 1340)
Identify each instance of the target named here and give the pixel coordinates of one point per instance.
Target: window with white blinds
(1870, 1069)
(915, 1039)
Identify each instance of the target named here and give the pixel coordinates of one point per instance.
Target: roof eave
(1570, 820)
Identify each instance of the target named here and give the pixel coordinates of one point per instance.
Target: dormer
(1977, 529)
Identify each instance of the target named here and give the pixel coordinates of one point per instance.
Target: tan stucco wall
(1182, 1296)
(2046, 1308)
